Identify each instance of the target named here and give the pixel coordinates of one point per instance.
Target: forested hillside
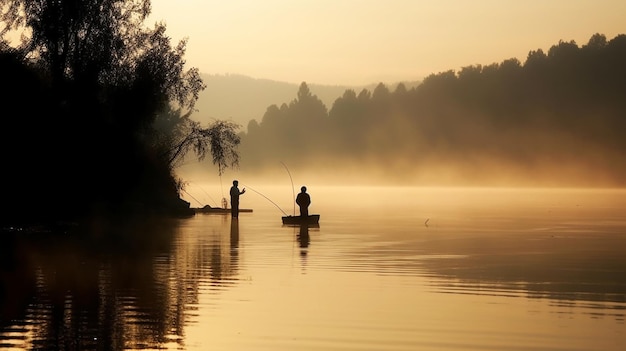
(241, 98)
(556, 119)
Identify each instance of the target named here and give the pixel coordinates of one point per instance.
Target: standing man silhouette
(234, 199)
(303, 200)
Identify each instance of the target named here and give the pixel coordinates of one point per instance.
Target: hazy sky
(354, 42)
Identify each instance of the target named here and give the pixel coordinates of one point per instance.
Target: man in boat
(234, 199)
(303, 200)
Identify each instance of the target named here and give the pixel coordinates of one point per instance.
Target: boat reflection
(303, 238)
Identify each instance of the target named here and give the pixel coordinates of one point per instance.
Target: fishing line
(207, 194)
(267, 198)
(293, 191)
(191, 196)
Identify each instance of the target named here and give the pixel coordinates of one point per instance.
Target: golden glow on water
(500, 269)
(366, 282)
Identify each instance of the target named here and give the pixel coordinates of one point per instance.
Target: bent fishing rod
(268, 199)
(293, 191)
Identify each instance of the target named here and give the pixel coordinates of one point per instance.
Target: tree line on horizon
(560, 110)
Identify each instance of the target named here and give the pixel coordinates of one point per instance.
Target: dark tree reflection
(108, 286)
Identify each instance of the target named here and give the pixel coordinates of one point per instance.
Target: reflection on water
(78, 290)
(118, 286)
(431, 269)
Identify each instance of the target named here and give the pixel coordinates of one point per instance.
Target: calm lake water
(386, 269)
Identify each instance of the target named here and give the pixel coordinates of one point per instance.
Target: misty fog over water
(553, 120)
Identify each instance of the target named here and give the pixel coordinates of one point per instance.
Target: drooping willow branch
(220, 139)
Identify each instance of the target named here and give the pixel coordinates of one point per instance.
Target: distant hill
(241, 98)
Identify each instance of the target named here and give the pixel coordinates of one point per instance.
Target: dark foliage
(93, 105)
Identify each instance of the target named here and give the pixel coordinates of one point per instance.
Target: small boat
(310, 219)
(209, 209)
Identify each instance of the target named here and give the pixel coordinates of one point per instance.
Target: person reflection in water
(303, 200)
(303, 237)
(234, 236)
(304, 240)
(234, 199)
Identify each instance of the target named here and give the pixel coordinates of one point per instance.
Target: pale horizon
(364, 42)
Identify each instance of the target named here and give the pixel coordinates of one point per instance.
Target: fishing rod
(267, 198)
(207, 194)
(293, 191)
(185, 191)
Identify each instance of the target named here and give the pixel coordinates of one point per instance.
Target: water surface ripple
(427, 269)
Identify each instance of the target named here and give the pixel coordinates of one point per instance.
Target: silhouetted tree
(115, 101)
